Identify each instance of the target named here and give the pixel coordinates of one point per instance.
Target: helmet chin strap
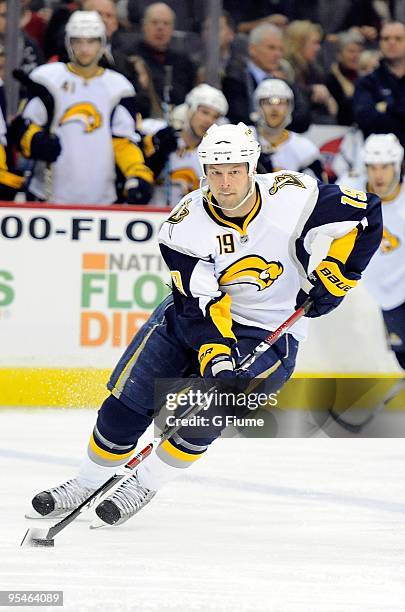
(247, 196)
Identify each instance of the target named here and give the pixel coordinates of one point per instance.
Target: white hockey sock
(92, 475)
(153, 473)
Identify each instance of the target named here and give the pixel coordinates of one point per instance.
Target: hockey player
(10, 183)
(238, 252)
(204, 105)
(281, 148)
(385, 276)
(81, 121)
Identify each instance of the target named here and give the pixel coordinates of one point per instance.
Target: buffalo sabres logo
(389, 241)
(251, 270)
(180, 213)
(281, 180)
(86, 113)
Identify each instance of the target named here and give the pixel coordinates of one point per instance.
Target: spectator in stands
(146, 83)
(302, 45)
(344, 73)
(33, 23)
(243, 75)
(340, 15)
(379, 98)
(281, 148)
(31, 53)
(113, 57)
(154, 48)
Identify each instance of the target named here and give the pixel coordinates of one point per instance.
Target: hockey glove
(330, 283)
(138, 190)
(45, 146)
(165, 140)
(158, 148)
(216, 361)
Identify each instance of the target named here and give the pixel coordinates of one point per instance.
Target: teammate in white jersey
(10, 182)
(281, 148)
(204, 105)
(385, 276)
(238, 251)
(81, 121)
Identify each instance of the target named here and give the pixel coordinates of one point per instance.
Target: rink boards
(77, 282)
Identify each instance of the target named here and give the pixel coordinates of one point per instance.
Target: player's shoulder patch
(285, 178)
(181, 211)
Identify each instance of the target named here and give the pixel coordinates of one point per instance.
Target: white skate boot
(127, 500)
(58, 501)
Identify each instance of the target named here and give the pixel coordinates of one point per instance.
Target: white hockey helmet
(84, 24)
(273, 90)
(229, 144)
(383, 149)
(205, 95)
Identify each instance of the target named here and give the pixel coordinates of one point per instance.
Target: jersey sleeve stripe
(341, 248)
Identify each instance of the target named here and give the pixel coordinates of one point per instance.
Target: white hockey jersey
(292, 152)
(385, 276)
(87, 114)
(251, 270)
(183, 166)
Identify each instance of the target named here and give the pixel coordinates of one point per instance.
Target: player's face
(202, 119)
(275, 111)
(229, 183)
(381, 178)
(86, 51)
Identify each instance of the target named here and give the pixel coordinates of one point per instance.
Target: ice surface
(282, 525)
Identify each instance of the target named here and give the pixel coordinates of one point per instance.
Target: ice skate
(126, 501)
(58, 501)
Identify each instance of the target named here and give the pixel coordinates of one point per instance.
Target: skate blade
(99, 524)
(37, 538)
(34, 515)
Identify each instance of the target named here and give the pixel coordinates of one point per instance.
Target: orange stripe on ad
(94, 261)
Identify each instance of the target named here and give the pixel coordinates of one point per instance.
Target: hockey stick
(358, 427)
(43, 537)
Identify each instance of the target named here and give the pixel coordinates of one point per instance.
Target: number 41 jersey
(250, 270)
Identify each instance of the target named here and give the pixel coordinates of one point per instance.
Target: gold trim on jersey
(273, 146)
(130, 160)
(389, 198)
(220, 313)
(98, 71)
(187, 176)
(6, 177)
(25, 142)
(342, 247)
(389, 241)
(217, 215)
